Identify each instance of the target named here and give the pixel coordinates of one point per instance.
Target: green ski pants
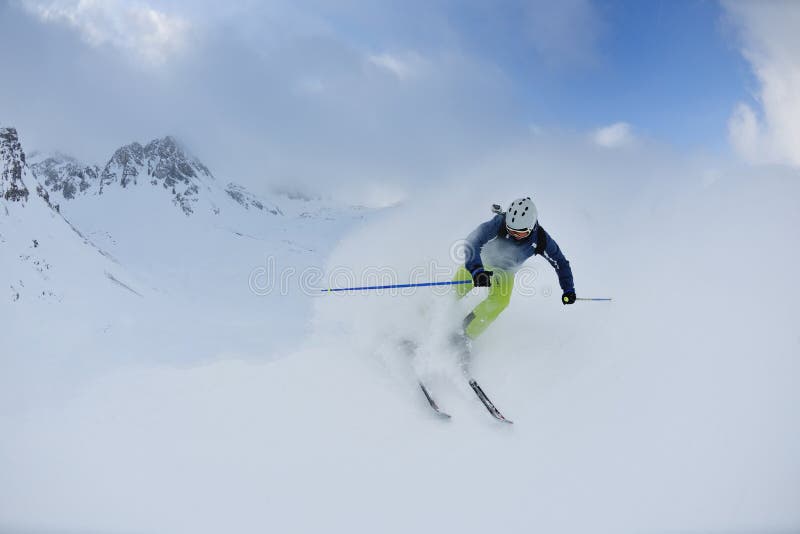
(487, 311)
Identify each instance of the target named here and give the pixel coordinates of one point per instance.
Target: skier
(494, 252)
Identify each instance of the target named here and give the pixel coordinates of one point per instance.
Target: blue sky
(396, 90)
(671, 73)
(671, 69)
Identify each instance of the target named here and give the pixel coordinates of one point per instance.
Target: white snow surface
(671, 409)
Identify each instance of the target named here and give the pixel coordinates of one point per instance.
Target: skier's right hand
(482, 279)
(568, 297)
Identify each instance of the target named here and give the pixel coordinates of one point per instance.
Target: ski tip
(438, 411)
(432, 403)
(490, 407)
(500, 417)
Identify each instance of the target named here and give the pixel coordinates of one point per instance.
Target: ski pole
(396, 286)
(594, 299)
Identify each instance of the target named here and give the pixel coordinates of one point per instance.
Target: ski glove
(482, 279)
(568, 297)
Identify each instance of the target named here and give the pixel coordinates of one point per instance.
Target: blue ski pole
(396, 286)
(594, 299)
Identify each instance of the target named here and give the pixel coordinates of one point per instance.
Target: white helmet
(521, 215)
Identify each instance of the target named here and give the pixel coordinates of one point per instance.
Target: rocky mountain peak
(64, 174)
(12, 159)
(168, 160)
(162, 162)
(124, 166)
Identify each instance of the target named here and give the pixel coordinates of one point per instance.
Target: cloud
(262, 100)
(146, 34)
(770, 133)
(404, 66)
(615, 135)
(744, 132)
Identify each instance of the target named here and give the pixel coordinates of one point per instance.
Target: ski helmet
(521, 215)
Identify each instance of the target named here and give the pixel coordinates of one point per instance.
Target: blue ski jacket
(490, 243)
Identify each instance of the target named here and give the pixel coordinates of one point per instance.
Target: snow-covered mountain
(152, 206)
(43, 256)
(160, 163)
(163, 164)
(155, 224)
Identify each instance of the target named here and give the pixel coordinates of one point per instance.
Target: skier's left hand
(482, 279)
(568, 297)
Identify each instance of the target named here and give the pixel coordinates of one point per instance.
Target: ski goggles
(519, 234)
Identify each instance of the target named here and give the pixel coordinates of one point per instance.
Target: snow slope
(44, 257)
(128, 276)
(673, 409)
(62, 287)
(197, 245)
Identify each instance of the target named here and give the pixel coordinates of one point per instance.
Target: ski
(410, 347)
(487, 403)
(433, 402)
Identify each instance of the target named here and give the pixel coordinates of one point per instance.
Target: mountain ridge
(162, 162)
